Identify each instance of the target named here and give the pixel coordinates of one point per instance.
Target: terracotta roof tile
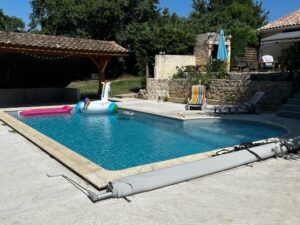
(60, 43)
(291, 19)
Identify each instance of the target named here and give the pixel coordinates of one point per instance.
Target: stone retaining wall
(171, 88)
(276, 92)
(222, 90)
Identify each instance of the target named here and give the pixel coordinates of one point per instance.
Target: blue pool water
(129, 139)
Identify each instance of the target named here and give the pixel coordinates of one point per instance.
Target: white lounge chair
(268, 62)
(248, 107)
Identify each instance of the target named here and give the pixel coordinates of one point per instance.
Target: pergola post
(101, 63)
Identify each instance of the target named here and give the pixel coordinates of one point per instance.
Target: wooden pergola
(100, 52)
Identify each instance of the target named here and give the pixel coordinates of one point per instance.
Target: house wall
(165, 65)
(274, 48)
(204, 47)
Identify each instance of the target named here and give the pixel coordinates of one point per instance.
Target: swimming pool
(129, 139)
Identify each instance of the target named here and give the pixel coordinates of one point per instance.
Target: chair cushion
(198, 95)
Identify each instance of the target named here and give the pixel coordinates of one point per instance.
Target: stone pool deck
(267, 192)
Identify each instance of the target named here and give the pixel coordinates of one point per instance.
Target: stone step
(294, 101)
(291, 107)
(288, 114)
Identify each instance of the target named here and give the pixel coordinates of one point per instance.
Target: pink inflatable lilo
(36, 112)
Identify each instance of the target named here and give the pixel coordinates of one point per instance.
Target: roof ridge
(54, 36)
(59, 43)
(291, 19)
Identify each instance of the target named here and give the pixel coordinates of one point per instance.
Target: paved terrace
(266, 192)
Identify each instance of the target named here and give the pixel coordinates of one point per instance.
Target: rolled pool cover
(163, 177)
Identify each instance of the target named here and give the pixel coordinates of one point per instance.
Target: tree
(167, 33)
(290, 58)
(10, 23)
(146, 30)
(240, 18)
(59, 17)
(136, 24)
(200, 7)
(99, 19)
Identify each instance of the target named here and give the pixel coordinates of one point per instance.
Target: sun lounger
(248, 107)
(198, 97)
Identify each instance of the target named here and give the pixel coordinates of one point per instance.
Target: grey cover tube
(163, 177)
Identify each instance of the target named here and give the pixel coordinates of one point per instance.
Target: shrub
(290, 59)
(219, 68)
(193, 75)
(165, 98)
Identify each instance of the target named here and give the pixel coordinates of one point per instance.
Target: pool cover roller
(163, 177)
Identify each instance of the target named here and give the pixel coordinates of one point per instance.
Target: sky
(277, 8)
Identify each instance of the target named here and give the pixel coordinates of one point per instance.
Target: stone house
(205, 50)
(280, 34)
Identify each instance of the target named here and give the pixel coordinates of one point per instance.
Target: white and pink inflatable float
(101, 106)
(86, 106)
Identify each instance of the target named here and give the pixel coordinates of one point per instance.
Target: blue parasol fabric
(222, 53)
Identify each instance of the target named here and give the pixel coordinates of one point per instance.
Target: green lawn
(123, 85)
